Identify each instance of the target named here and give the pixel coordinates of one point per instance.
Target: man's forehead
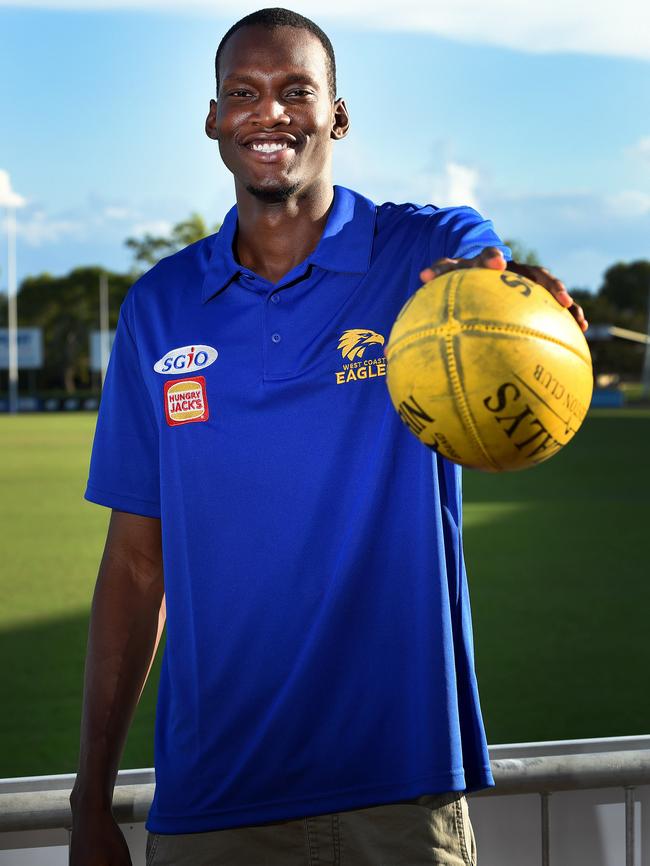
(270, 50)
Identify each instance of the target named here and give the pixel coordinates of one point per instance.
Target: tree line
(67, 309)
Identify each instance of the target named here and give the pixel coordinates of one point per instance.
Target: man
(317, 702)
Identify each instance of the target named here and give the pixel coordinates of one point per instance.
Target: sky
(539, 118)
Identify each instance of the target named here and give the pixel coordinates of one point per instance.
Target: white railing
(41, 803)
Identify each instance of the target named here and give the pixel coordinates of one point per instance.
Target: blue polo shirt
(319, 647)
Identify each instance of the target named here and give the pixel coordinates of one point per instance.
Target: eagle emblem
(354, 342)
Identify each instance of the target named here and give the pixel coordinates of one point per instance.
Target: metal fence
(24, 810)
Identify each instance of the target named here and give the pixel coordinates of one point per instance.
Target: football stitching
(443, 331)
(466, 417)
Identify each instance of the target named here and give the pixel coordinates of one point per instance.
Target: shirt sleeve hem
(470, 251)
(122, 502)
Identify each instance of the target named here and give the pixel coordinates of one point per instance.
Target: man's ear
(211, 121)
(340, 120)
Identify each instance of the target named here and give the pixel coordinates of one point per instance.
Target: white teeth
(269, 146)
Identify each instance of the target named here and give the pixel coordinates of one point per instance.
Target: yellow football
(489, 370)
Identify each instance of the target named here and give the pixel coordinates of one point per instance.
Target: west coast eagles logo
(352, 345)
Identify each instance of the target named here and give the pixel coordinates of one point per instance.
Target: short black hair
(277, 17)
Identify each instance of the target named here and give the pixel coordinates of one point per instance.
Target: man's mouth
(268, 146)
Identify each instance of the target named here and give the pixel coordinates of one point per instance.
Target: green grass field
(557, 559)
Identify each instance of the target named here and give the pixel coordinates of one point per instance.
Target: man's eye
(239, 93)
(299, 92)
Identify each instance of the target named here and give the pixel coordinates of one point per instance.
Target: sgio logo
(187, 359)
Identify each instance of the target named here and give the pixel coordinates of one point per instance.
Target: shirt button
(276, 338)
(275, 299)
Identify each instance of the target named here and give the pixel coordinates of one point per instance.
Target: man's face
(274, 118)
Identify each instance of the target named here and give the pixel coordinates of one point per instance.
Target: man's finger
(442, 266)
(491, 257)
(558, 289)
(543, 277)
(578, 314)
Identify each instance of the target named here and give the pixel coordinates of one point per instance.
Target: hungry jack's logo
(186, 401)
(352, 345)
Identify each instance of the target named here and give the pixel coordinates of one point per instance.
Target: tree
(522, 254)
(627, 286)
(622, 300)
(67, 309)
(151, 248)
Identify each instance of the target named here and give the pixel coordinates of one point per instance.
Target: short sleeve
(467, 234)
(124, 465)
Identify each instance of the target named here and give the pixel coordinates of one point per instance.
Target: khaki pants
(432, 830)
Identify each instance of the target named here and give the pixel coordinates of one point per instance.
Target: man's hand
(491, 257)
(97, 840)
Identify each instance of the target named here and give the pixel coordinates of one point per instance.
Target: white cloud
(9, 198)
(153, 227)
(629, 203)
(641, 150)
(456, 186)
(115, 212)
(577, 234)
(38, 228)
(599, 27)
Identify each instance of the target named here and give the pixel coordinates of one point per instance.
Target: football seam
(466, 417)
(458, 327)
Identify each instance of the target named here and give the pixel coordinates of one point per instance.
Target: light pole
(645, 376)
(103, 324)
(11, 200)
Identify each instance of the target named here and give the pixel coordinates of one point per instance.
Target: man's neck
(273, 238)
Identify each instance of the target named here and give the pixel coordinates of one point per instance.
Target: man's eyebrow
(292, 78)
(304, 77)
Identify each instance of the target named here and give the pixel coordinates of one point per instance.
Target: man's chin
(273, 195)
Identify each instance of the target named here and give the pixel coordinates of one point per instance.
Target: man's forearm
(126, 622)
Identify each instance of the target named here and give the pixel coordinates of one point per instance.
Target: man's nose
(271, 111)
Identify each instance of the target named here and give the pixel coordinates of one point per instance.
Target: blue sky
(101, 127)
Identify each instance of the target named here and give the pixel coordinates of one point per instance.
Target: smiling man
(318, 702)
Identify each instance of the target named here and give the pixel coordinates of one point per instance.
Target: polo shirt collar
(344, 247)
